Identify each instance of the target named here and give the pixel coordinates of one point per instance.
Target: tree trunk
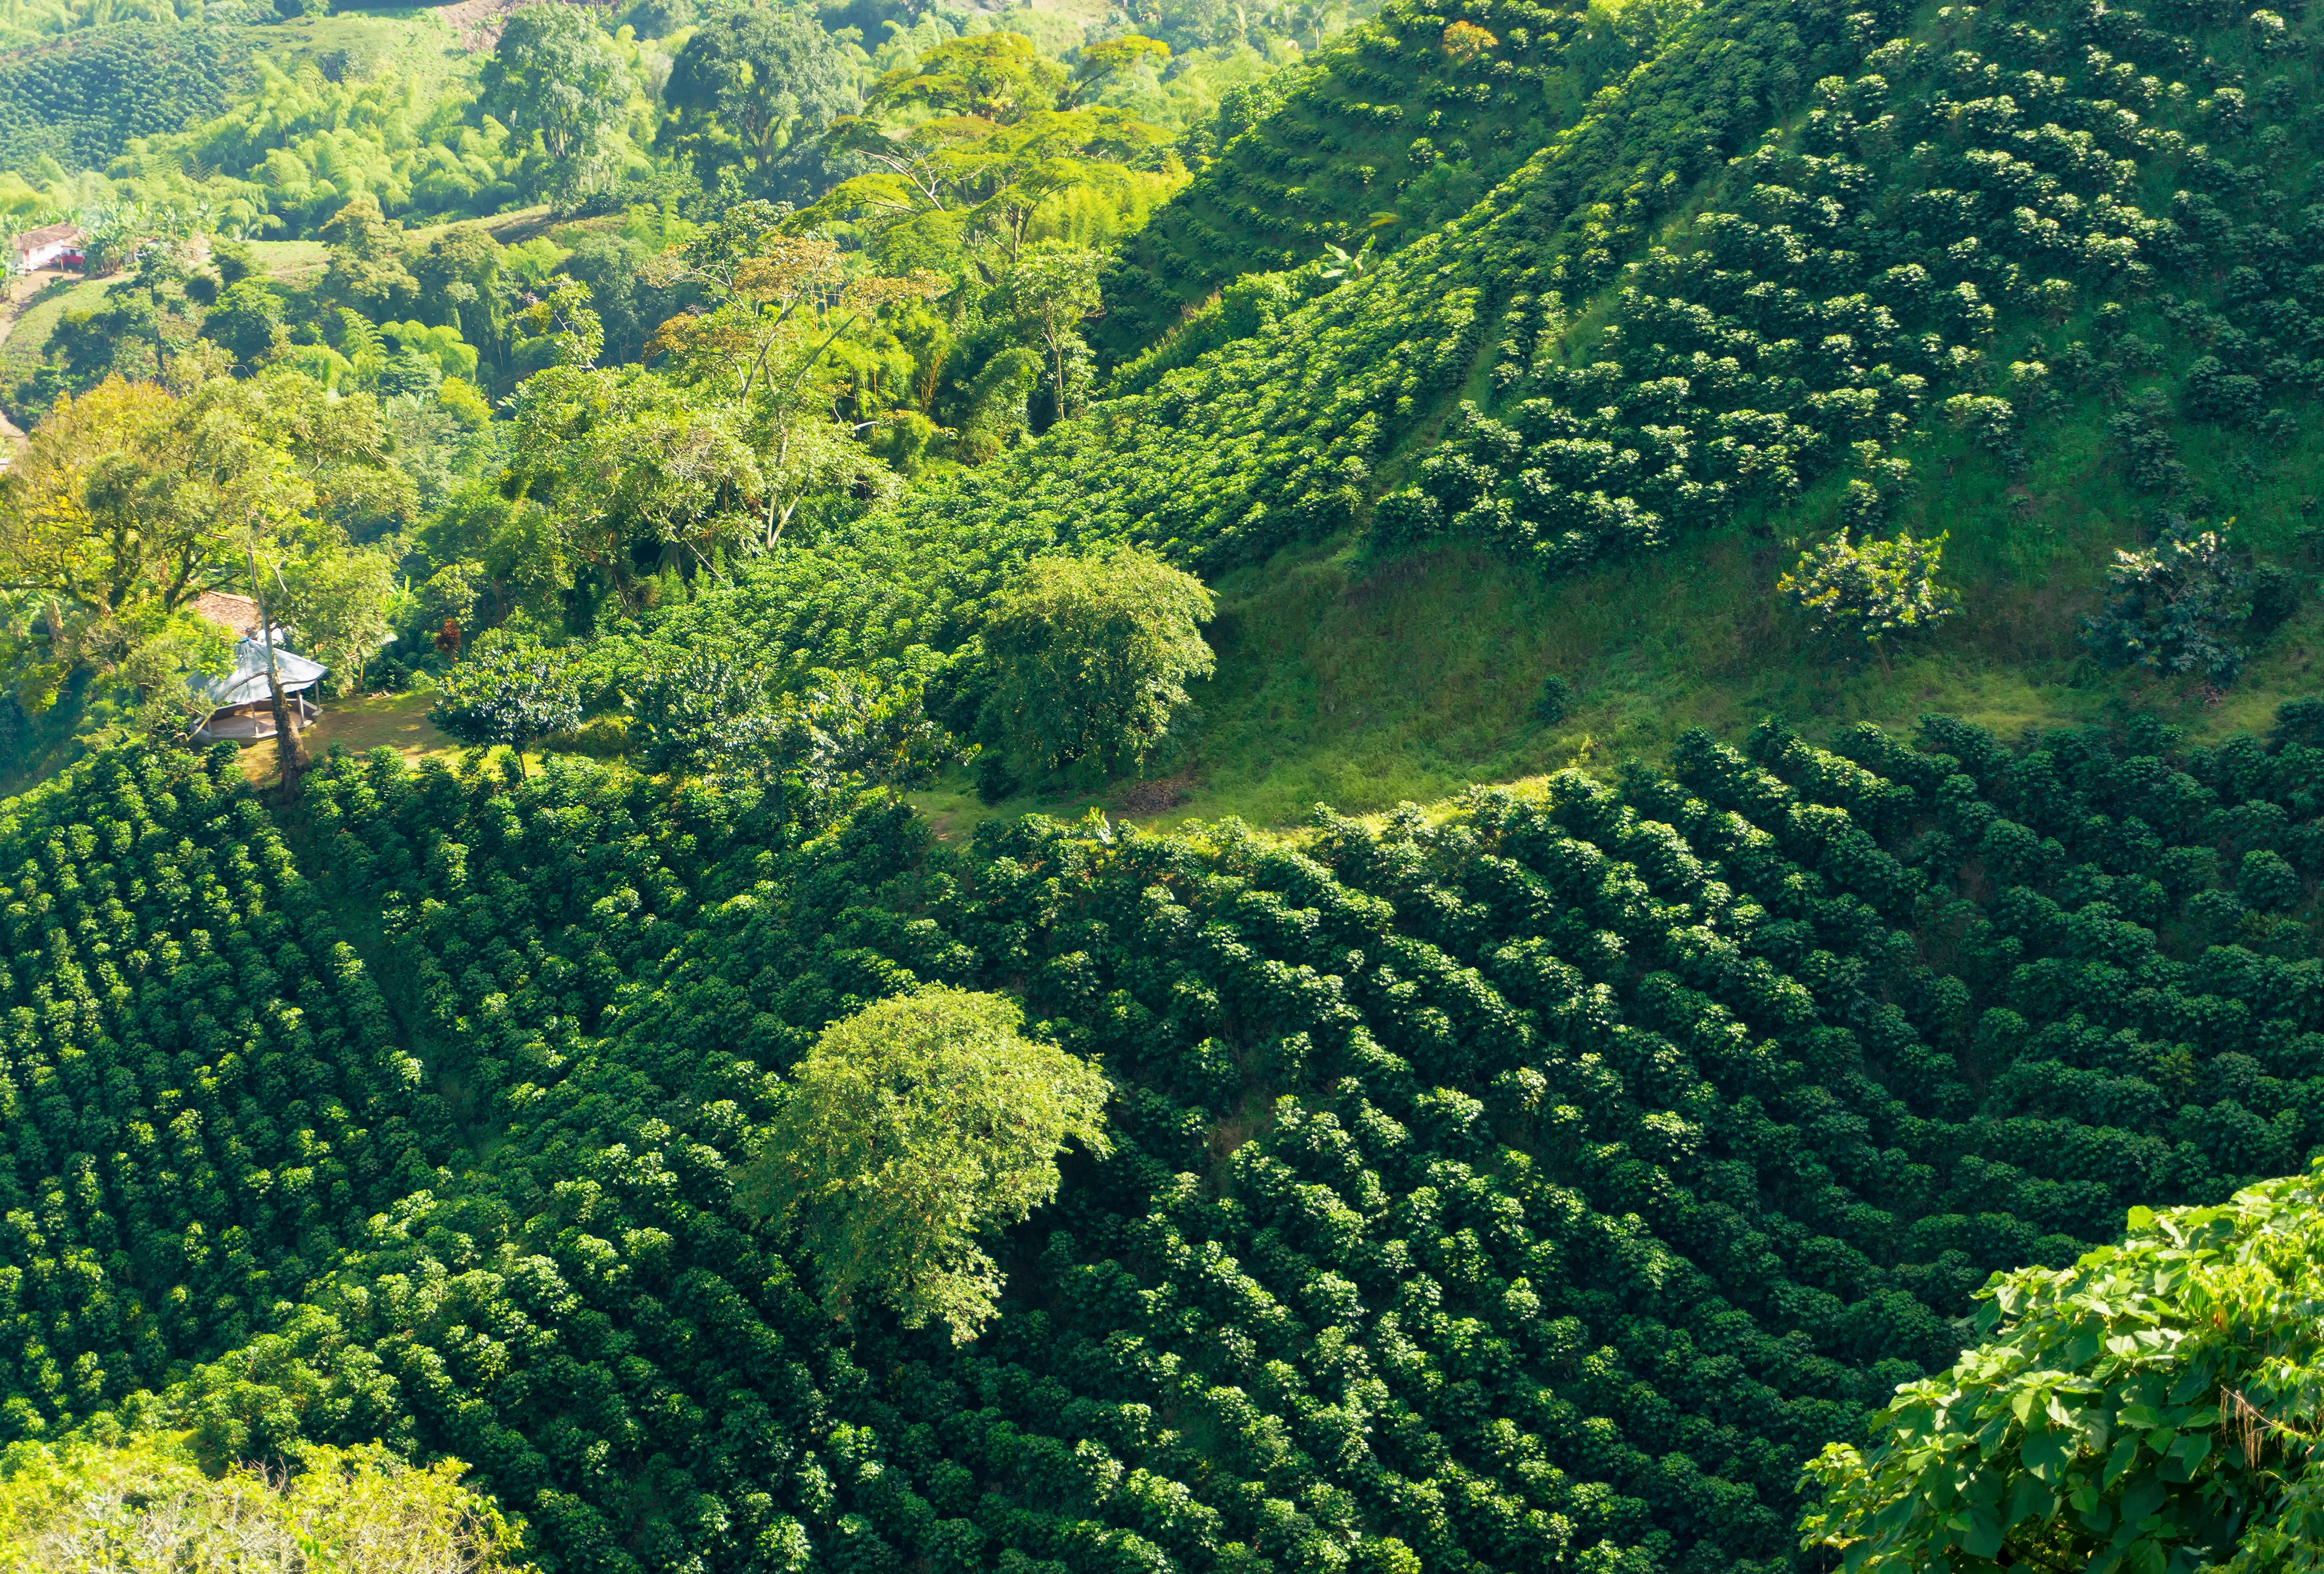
(290, 749)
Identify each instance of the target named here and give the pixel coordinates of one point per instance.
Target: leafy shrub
(2173, 606)
(2151, 1406)
(510, 689)
(1874, 595)
(1556, 699)
(83, 1502)
(1092, 656)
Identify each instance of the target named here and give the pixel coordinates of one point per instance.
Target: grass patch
(29, 335)
(291, 262)
(354, 45)
(511, 227)
(395, 721)
(1363, 684)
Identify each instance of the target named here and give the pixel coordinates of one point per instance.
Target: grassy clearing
(510, 228)
(396, 721)
(1362, 684)
(28, 336)
(353, 44)
(295, 263)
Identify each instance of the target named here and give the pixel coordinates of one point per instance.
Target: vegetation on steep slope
(1542, 1183)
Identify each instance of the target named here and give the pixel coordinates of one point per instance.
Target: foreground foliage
(140, 1501)
(2153, 1407)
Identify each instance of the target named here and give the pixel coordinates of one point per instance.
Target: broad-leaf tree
(555, 74)
(2174, 606)
(2157, 1407)
(914, 1128)
(753, 90)
(342, 600)
(708, 713)
(510, 689)
(1054, 288)
(1871, 596)
(1092, 657)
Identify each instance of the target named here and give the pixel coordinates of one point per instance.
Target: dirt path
(21, 288)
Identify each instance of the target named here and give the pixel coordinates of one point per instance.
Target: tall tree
(1054, 288)
(510, 689)
(913, 1128)
(459, 274)
(87, 516)
(1092, 656)
(997, 77)
(783, 301)
(341, 598)
(243, 481)
(368, 260)
(555, 74)
(753, 90)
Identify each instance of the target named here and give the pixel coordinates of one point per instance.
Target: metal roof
(244, 683)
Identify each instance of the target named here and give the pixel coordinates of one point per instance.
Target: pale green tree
(1092, 657)
(1054, 288)
(1871, 595)
(557, 75)
(914, 1128)
(342, 600)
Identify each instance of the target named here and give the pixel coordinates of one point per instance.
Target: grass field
(291, 262)
(354, 45)
(398, 721)
(29, 335)
(395, 721)
(510, 228)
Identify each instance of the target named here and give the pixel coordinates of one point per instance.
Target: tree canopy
(753, 90)
(1093, 655)
(913, 1128)
(555, 74)
(510, 689)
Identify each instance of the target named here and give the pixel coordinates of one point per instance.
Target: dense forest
(723, 1046)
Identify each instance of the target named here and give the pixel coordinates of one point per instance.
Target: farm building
(242, 705)
(49, 246)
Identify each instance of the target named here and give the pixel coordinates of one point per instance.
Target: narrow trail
(21, 288)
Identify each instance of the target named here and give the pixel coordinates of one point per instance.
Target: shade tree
(912, 1129)
(1091, 657)
(508, 690)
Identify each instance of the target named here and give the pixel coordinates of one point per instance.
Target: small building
(237, 615)
(242, 705)
(50, 246)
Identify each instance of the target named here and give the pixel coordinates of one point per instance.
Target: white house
(50, 246)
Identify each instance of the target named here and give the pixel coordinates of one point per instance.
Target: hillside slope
(2039, 277)
(1539, 1185)
(1393, 131)
(80, 98)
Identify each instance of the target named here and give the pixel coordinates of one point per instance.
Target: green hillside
(1541, 1184)
(1576, 1044)
(79, 99)
(1391, 132)
(1968, 290)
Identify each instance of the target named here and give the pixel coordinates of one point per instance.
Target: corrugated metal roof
(245, 682)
